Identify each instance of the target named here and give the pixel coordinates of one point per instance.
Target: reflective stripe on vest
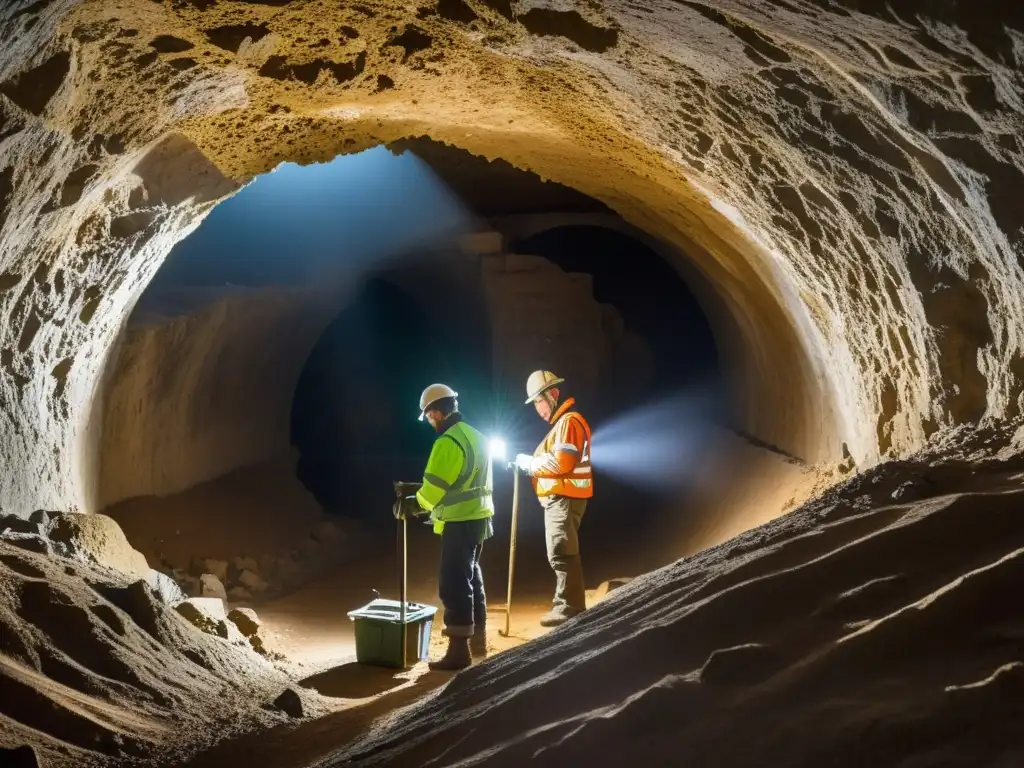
(578, 481)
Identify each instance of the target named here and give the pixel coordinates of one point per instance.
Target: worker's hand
(523, 461)
(410, 507)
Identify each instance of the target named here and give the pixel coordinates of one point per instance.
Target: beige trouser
(562, 518)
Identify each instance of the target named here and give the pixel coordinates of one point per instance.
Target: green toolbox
(378, 629)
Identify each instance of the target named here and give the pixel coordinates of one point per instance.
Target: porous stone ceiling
(846, 176)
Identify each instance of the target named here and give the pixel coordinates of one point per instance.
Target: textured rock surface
(90, 538)
(95, 670)
(846, 178)
(217, 378)
(210, 586)
(165, 588)
(543, 317)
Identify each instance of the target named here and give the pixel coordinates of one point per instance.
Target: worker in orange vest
(562, 479)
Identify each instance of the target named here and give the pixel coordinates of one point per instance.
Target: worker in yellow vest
(457, 492)
(563, 481)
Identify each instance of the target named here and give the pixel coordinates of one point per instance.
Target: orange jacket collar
(562, 409)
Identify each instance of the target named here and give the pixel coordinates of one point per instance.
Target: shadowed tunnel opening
(353, 417)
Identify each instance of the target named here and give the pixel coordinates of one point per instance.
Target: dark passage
(354, 414)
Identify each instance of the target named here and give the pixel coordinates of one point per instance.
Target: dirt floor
(311, 627)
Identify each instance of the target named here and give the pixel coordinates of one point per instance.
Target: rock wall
(195, 396)
(205, 377)
(542, 317)
(846, 177)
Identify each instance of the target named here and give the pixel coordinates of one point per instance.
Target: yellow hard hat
(539, 383)
(432, 394)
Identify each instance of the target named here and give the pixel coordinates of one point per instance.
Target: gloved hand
(523, 461)
(406, 507)
(411, 507)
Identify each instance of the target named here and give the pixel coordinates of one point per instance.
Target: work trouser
(461, 582)
(562, 519)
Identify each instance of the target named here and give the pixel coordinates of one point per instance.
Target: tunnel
(775, 248)
(240, 407)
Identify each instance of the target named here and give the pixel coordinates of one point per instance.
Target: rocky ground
(878, 624)
(248, 536)
(105, 662)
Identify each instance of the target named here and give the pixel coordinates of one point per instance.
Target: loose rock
(228, 631)
(165, 588)
(218, 568)
(246, 620)
(204, 613)
(289, 702)
(253, 581)
(211, 586)
(246, 564)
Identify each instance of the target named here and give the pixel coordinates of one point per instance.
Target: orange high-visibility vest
(561, 463)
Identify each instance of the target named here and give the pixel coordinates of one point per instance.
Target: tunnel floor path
(311, 627)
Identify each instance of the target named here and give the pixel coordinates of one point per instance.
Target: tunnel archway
(528, 274)
(708, 164)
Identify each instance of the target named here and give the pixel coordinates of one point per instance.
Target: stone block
(211, 586)
(252, 581)
(165, 588)
(246, 620)
(290, 703)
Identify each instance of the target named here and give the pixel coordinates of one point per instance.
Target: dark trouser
(562, 518)
(461, 583)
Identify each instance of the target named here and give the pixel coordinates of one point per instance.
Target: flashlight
(497, 449)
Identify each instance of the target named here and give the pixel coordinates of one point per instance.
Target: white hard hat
(432, 394)
(539, 383)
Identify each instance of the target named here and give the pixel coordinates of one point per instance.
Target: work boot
(478, 642)
(557, 617)
(456, 657)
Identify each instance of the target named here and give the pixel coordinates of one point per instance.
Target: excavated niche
(843, 178)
